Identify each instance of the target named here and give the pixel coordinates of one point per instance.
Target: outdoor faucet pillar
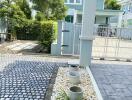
(86, 38)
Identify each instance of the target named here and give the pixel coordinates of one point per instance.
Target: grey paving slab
(113, 79)
(25, 79)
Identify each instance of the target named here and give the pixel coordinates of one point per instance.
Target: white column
(59, 39)
(86, 38)
(120, 20)
(75, 16)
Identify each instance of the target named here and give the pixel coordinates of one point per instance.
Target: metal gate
(70, 38)
(112, 43)
(109, 42)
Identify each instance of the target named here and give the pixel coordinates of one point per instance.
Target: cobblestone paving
(25, 79)
(114, 79)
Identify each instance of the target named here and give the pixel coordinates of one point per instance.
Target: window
(66, 1)
(69, 18)
(130, 8)
(78, 1)
(73, 1)
(79, 18)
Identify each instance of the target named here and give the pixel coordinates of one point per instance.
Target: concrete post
(75, 17)
(59, 38)
(56, 47)
(86, 38)
(120, 18)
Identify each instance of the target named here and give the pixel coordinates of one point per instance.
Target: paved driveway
(22, 78)
(114, 79)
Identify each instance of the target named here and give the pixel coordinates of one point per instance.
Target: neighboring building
(3, 28)
(103, 17)
(126, 6)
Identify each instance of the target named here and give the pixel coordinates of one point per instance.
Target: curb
(99, 96)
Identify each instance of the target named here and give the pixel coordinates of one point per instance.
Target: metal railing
(112, 42)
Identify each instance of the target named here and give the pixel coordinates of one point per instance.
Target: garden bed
(62, 84)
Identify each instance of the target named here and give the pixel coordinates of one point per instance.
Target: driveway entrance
(114, 79)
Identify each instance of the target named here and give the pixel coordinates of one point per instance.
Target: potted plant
(74, 77)
(73, 67)
(75, 93)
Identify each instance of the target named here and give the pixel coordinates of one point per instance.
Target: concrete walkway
(114, 79)
(22, 46)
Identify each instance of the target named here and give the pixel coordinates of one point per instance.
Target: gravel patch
(62, 82)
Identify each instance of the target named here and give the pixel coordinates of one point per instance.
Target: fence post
(120, 20)
(56, 47)
(59, 39)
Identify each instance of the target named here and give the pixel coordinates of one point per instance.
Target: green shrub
(40, 16)
(42, 31)
(46, 35)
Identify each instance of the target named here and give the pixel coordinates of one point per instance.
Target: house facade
(103, 16)
(126, 6)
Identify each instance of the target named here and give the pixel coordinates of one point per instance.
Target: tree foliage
(14, 13)
(52, 9)
(40, 16)
(7, 5)
(24, 6)
(112, 4)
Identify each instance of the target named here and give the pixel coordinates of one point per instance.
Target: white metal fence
(109, 42)
(113, 42)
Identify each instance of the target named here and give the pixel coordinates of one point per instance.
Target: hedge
(44, 32)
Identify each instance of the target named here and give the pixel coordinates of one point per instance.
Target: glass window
(66, 1)
(78, 1)
(71, 1)
(131, 8)
(69, 18)
(79, 18)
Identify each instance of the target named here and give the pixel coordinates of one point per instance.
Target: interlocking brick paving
(26, 80)
(114, 79)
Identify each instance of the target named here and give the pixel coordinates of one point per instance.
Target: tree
(112, 4)
(24, 6)
(40, 16)
(12, 14)
(52, 9)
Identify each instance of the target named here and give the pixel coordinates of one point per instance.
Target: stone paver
(25, 79)
(114, 79)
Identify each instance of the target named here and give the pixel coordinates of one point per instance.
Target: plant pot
(75, 93)
(73, 67)
(74, 77)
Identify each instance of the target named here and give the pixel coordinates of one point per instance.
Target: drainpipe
(86, 38)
